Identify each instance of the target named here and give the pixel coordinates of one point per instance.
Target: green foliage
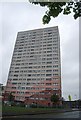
(55, 8)
(54, 98)
(10, 97)
(23, 110)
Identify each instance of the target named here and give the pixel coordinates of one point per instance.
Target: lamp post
(69, 97)
(76, 100)
(75, 97)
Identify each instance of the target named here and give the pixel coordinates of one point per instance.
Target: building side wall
(35, 63)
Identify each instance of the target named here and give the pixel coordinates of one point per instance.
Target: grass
(19, 110)
(0, 107)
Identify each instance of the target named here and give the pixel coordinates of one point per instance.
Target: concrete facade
(36, 64)
(43, 98)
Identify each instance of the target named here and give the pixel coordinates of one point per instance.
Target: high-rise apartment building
(36, 64)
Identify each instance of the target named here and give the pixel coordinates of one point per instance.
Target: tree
(55, 99)
(55, 8)
(10, 97)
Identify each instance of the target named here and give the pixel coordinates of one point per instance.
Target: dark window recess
(28, 79)
(48, 74)
(48, 83)
(48, 88)
(15, 79)
(48, 79)
(16, 75)
(16, 67)
(14, 83)
(48, 70)
(49, 62)
(16, 71)
(29, 74)
(13, 87)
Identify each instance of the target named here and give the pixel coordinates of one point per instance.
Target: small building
(72, 104)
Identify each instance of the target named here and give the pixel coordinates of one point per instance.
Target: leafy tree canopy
(55, 8)
(11, 97)
(54, 98)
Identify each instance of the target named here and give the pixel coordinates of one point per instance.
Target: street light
(75, 97)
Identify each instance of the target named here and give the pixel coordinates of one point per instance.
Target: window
(43, 58)
(33, 74)
(48, 79)
(49, 62)
(49, 45)
(44, 51)
(44, 45)
(48, 74)
(13, 87)
(55, 74)
(55, 78)
(33, 79)
(28, 88)
(28, 79)
(16, 75)
(30, 63)
(43, 62)
(56, 70)
(38, 74)
(29, 74)
(55, 66)
(14, 83)
(49, 51)
(31, 56)
(30, 67)
(56, 58)
(48, 83)
(43, 66)
(16, 67)
(48, 70)
(56, 84)
(49, 66)
(42, 74)
(16, 71)
(29, 70)
(49, 55)
(49, 58)
(23, 87)
(20, 54)
(32, 49)
(48, 88)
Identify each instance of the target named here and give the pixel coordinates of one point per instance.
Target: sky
(22, 16)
